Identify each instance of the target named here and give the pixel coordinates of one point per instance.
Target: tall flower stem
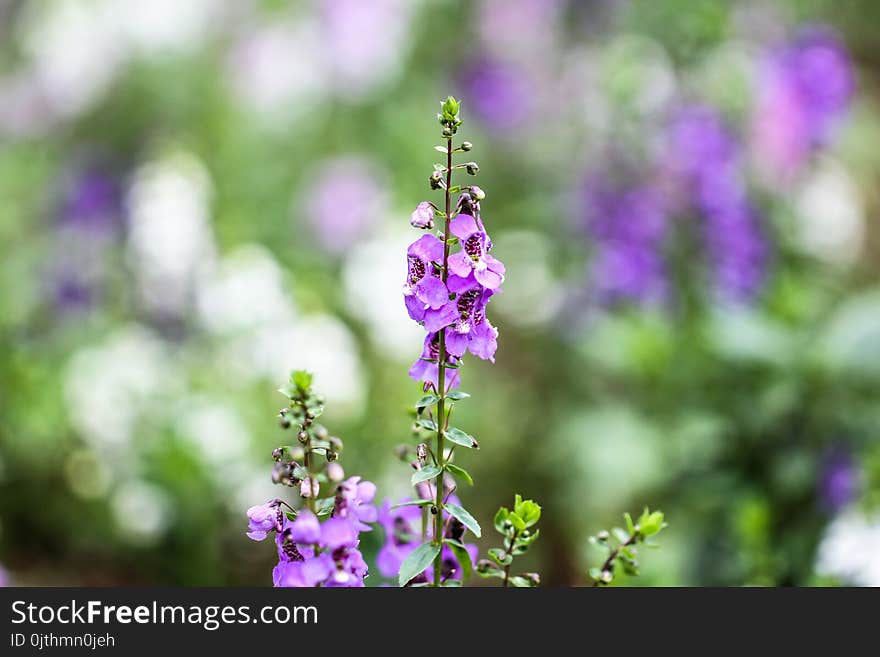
(441, 378)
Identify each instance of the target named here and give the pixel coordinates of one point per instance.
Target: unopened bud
(332, 456)
(297, 453)
(477, 193)
(606, 576)
(603, 536)
(534, 578)
(472, 168)
(433, 510)
(309, 488)
(435, 180)
(277, 453)
(448, 132)
(466, 145)
(302, 437)
(335, 472)
(320, 432)
(422, 451)
(335, 443)
(423, 216)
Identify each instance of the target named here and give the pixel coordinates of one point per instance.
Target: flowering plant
(451, 278)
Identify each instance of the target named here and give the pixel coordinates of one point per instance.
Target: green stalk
(441, 379)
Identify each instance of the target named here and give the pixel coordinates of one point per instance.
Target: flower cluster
(402, 525)
(806, 86)
(706, 159)
(447, 292)
(311, 552)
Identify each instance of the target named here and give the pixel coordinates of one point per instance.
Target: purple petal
(337, 533)
(460, 264)
(432, 291)
(488, 278)
(306, 528)
(463, 226)
(456, 343)
(415, 307)
(427, 248)
(494, 264)
(459, 284)
(440, 318)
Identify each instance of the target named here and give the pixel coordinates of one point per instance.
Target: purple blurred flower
(628, 225)
(92, 202)
(343, 202)
(499, 93)
(402, 528)
(706, 162)
(838, 479)
(805, 89)
(4, 578)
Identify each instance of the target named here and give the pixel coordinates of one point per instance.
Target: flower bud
(435, 180)
(422, 451)
(309, 488)
(335, 443)
(534, 578)
(320, 432)
(302, 437)
(422, 216)
(477, 193)
(450, 108)
(466, 146)
(472, 168)
(277, 453)
(335, 472)
(603, 536)
(448, 132)
(283, 420)
(606, 576)
(297, 453)
(331, 456)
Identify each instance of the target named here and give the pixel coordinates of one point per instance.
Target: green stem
(441, 379)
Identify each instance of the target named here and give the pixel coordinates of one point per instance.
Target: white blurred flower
(365, 44)
(830, 215)
(245, 291)
(170, 238)
(276, 70)
(532, 295)
(163, 25)
(215, 429)
(373, 276)
(74, 51)
(638, 74)
(142, 511)
(850, 549)
(111, 386)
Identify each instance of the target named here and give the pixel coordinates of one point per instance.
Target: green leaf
(457, 395)
(528, 510)
(302, 379)
(430, 425)
(630, 525)
(325, 506)
(459, 437)
(413, 503)
(417, 561)
(288, 390)
(521, 582)
(651, 524)
(464, 517)
(620, 534)
(428, 472)
(518, 523)
(427, 400)
(500, 557)
(441, 149)
(499, 519)
(459, 472)
(463, 556)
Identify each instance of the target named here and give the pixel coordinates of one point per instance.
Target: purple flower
(403, 535)
(425, 295)
(707, 162)
(306, 573)
(4, 578)
(838, 480)
(806, 87)
(353, 498)
(500, 92)
(344, 201)
(474, 255)
(427, 369)
(628, 226)
(422, 216)
(92, 202)
(306, 529)
(471, 330)
(263, 519)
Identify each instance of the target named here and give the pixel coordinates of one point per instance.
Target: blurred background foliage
(198, 197)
